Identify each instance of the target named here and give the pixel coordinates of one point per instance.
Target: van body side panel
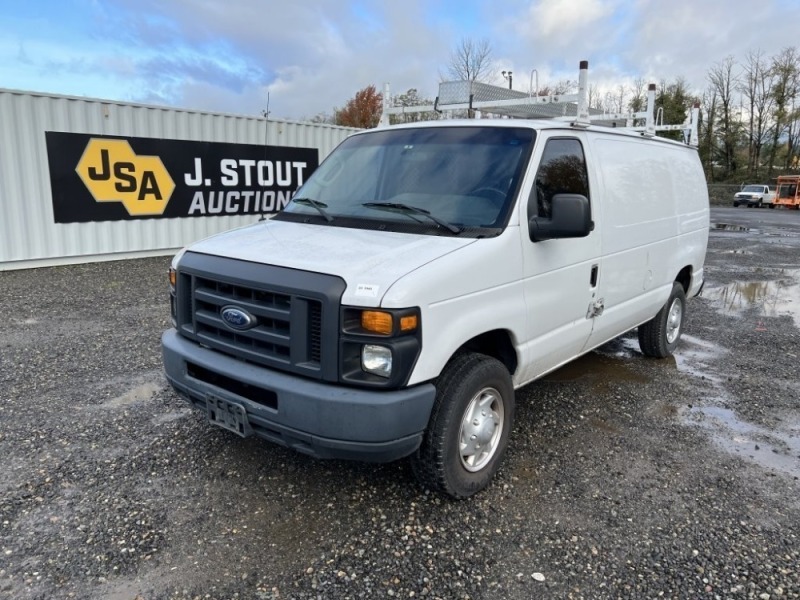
(693, 216)
(462, 295)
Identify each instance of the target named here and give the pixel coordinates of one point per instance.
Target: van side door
(642, 183)
(559, 275)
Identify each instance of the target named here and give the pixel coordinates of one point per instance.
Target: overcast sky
(313, 55)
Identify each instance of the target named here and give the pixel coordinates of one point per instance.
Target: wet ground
(763, 296)
(626, 477)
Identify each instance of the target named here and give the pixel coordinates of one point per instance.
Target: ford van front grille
(270, 316)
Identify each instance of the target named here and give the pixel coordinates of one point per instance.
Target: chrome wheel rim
(674, 321)
(481, 427)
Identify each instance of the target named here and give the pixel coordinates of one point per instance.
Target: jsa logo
(112, 172)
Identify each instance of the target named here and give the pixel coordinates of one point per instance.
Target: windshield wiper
(320, 206)
(407, 208)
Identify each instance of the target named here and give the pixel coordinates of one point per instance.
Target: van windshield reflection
(441, 178)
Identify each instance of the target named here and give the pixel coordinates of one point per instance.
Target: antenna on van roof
(265, 114)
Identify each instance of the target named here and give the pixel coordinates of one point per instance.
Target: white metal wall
(29, 235)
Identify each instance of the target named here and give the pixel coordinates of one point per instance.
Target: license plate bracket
(228, 415)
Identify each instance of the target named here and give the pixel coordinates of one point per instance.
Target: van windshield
(436, 180)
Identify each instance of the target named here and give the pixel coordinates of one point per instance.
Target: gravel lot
(626, 477)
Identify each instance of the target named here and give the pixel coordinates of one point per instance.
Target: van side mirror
(570, 217)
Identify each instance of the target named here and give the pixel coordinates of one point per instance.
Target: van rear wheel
(470, 423)
(659, 336)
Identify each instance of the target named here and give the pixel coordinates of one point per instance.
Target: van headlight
(379, 346)
(376, 359)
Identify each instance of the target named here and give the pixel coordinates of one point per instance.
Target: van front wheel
(470, 423)
(659, 336)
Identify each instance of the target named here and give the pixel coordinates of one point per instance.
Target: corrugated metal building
(29, 233)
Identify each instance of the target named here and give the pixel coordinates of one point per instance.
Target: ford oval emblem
(237, 318)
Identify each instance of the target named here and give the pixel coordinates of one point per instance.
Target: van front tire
(660, 336)
(470, 423)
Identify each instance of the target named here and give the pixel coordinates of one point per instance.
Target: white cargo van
(426, 271)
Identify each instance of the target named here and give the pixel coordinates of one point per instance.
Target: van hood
(368, 261)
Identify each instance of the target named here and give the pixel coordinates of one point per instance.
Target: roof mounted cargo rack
(571, 108)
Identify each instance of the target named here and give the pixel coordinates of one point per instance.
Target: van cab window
(562, 170)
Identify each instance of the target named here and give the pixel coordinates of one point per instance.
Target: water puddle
(732, 227)
(777, 449)
(772, 448)
(141, 392)
(29, 321)
(695, 357)
(773, 298)
(621, 347)
(603, 425)
(783, 234)
(171, 416)
(597, 365)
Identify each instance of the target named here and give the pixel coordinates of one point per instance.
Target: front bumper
(316, 418)
(750, 201)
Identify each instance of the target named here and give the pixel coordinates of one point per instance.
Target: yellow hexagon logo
(112, 172)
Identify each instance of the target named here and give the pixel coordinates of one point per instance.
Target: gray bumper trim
(321, 419)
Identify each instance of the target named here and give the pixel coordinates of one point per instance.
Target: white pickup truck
(755, 195)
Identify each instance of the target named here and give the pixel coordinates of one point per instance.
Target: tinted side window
(562, 171)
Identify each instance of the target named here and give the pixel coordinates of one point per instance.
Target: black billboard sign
(107, 178)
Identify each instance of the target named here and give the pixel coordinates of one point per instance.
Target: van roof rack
(571, 108)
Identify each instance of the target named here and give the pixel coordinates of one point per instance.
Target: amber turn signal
(377, 322)
(408, 323)
(173, 276)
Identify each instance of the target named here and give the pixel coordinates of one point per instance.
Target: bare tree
(321, 117)
(413, 98)
(619, 100)
(756, 85)
(470, 60)
(707, 133)
(638, 99)
(595, 101)
(563, 86)
(725, 82)
(793, 136)
(786, 73)
(610, 102)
